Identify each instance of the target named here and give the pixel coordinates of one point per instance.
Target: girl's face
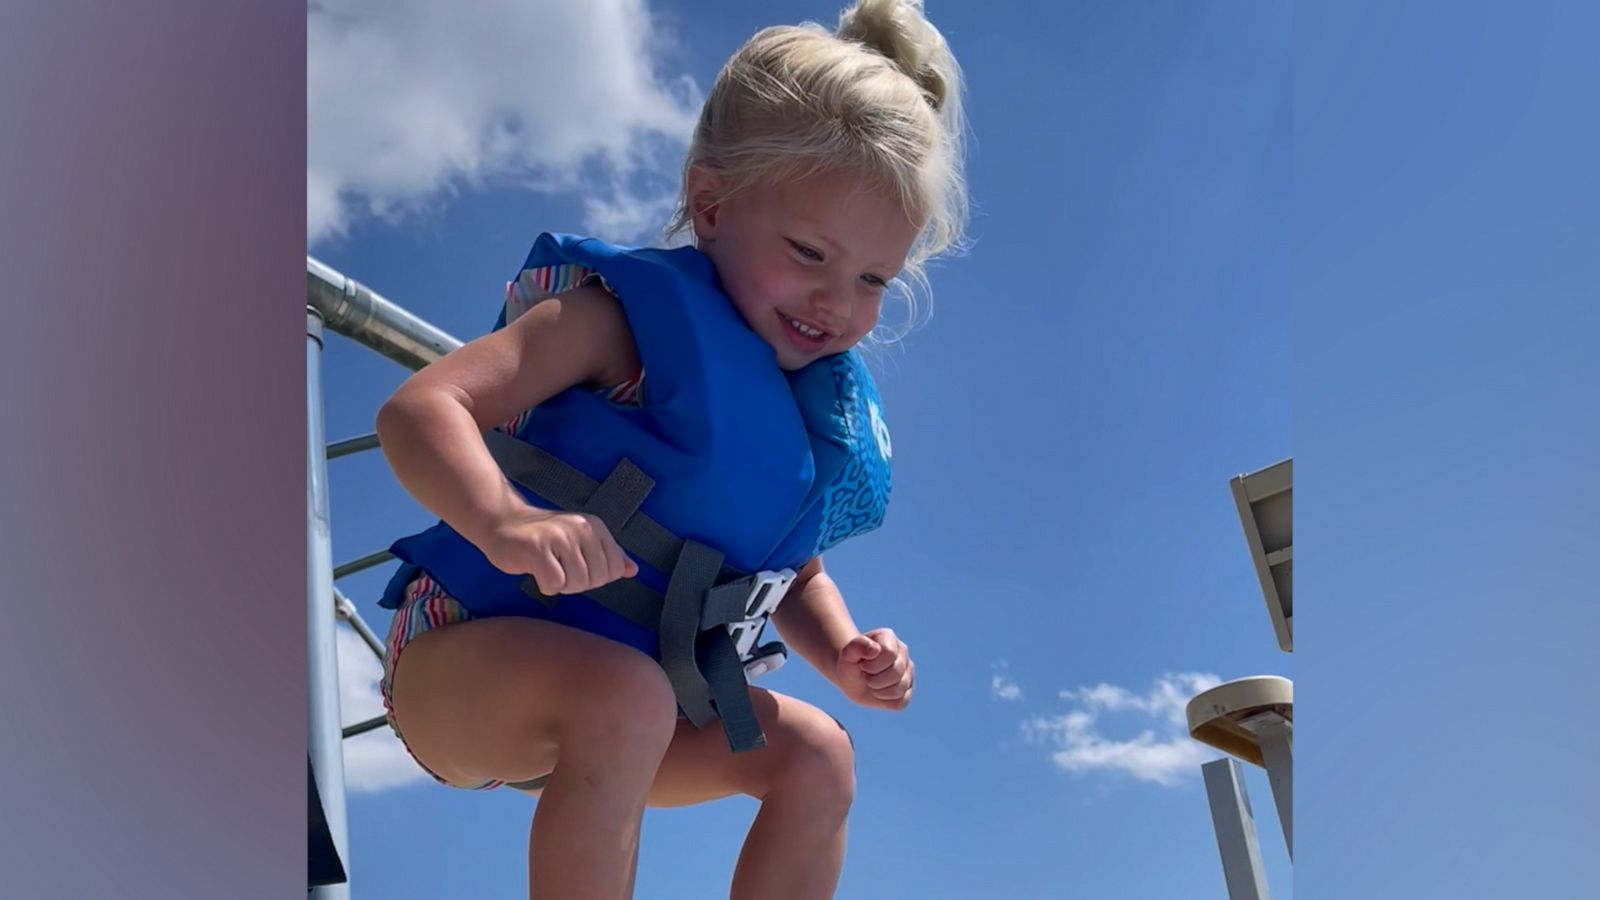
(805, 261)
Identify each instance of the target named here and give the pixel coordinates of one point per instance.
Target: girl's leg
(513, 699)
(804, 778)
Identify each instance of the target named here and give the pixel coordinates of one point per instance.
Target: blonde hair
(880, 97)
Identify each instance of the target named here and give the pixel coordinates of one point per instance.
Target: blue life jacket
(768, 467)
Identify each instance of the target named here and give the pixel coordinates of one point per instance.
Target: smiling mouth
(803, 336)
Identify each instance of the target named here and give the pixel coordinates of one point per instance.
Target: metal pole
(1236, 830)
(372, 724)
(352, 445)
(362, 564)
(346, 610)
(1277, 752)
(325, 738)
(353, 310)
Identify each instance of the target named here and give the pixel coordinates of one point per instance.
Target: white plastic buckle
(766, 592)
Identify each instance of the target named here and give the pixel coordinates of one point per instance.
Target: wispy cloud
(1002, 686)
(1151, 742)
(374, 761)
(408, 103)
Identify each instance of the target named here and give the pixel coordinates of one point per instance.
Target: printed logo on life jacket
(880, 430)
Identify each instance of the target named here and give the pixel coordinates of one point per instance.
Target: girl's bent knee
(821, 763)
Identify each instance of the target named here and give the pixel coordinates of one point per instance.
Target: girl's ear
(705, 195)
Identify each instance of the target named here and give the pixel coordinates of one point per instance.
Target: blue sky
(1113, 349)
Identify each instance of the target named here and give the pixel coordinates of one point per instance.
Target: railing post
(325, 739)
(1236, 830)
(340, 305)
(1277, 752)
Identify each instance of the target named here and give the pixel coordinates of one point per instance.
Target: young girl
(704, 418)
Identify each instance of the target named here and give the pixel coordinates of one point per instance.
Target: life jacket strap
(569, 489)
(711, 615)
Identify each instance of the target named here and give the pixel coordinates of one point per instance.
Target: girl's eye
(875, 281)
(806, 252)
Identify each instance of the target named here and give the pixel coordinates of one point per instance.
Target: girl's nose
(833, 306)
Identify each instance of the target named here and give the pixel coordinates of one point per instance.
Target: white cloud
(1002, 685)
(408, 102)
(1166, 699)
(1005, 689)
(374, 761)
(1159, 751)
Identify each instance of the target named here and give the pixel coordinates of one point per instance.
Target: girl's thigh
(490, 698)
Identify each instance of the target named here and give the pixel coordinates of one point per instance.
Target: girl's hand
(566, 553)
(875, 669)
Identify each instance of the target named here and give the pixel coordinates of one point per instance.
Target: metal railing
(340, 304)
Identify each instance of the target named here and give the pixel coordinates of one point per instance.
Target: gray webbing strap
(540, 472)
(573, 491)
(706, 675)
(725, 605)
(618, 497)
(629, 598)
(694, 574)
(614, 501)
(729, 688)
(702, 664)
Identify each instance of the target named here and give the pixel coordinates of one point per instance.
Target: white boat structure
(1252, 719)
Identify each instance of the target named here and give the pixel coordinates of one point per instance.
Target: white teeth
(803, 328)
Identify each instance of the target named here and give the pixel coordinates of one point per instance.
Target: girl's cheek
(867, 317)
(774, 287)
